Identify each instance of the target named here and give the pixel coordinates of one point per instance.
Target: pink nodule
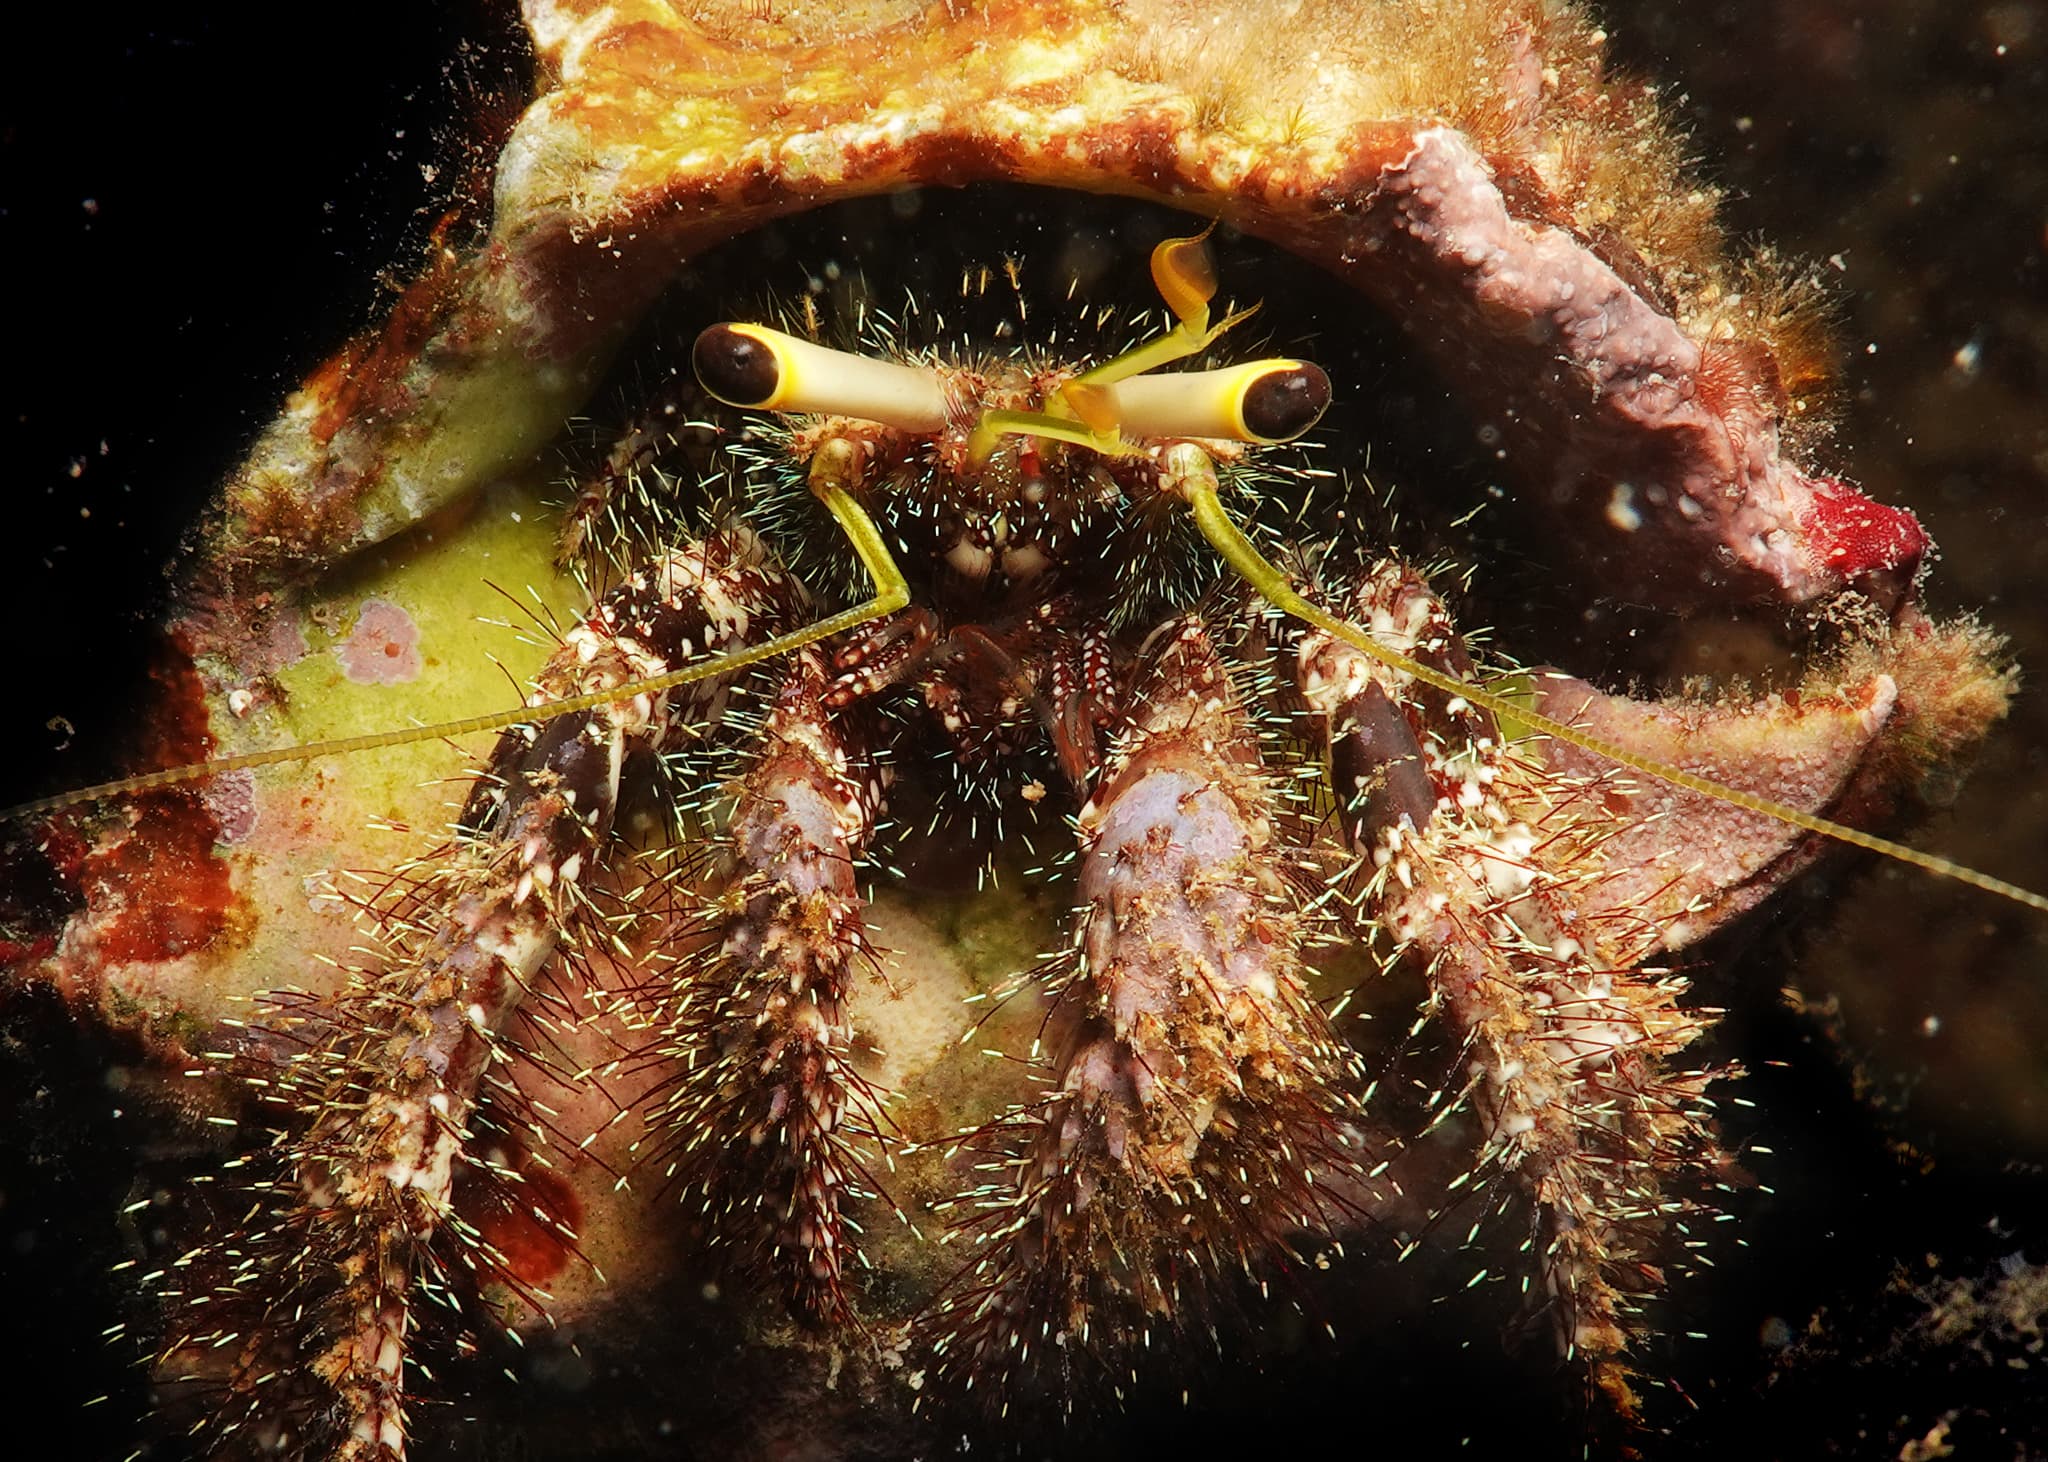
(384, 647)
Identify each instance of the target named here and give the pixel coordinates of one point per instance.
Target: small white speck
(1621, 508)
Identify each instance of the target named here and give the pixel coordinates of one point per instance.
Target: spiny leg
(1199, 1118)
(360, 1209)
(761, 1126)
(1492, 871)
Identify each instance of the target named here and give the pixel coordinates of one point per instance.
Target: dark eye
(741, 370)
(1284, 403)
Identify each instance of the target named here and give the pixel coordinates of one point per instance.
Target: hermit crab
(920, 604)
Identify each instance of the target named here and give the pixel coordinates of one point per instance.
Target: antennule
(1185, 274)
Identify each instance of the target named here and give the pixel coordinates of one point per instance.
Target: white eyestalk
(758, 369)
(1261, 401)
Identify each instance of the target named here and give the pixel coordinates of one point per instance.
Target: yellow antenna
(832, 474)
(1189, 471)
(1288, 395)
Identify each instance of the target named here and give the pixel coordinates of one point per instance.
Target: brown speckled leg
(1198, 1116)
(760, 1128)
(1493, 871)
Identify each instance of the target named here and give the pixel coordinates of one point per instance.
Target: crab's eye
(759, 369)
(1259, 401)
(1278, 405)
(738, 367)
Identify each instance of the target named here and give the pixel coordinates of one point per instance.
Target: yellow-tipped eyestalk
(759, 369)
(1261, 401)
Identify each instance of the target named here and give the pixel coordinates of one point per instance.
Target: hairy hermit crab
(934, 594)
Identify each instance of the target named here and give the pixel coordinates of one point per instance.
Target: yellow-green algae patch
(459, 581)
(320, 828)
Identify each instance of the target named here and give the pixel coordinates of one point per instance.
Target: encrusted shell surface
(1466, 166)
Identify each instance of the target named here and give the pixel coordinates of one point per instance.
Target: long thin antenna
(1192, 474)
(829, 480)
